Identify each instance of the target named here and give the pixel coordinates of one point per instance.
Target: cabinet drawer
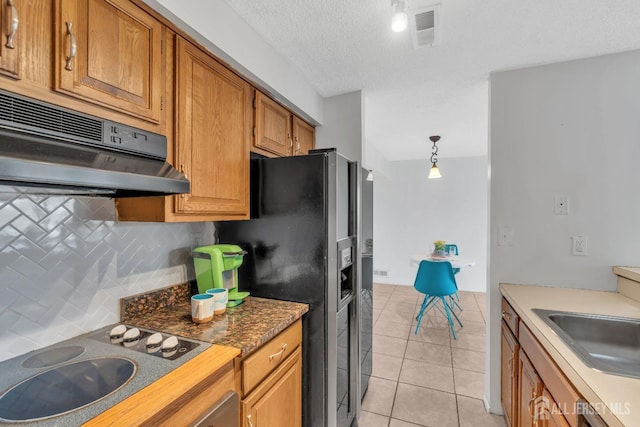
(554, 380)
(260, 364)
(510, 317)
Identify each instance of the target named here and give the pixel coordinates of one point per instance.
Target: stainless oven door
(223, 413)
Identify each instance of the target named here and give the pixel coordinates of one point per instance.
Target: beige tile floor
(426, 379)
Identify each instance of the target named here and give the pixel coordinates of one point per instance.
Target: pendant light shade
(400, 19)
(370, 175)
(434, 172)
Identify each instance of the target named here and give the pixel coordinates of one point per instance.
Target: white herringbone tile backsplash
(65, 262)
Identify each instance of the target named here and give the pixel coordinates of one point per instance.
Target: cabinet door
(213, 122)
(273, 126)
(10, 12)
(303, 136)
(278, 400)
(110, 52)
(530, 401)
(509, 378)
(554, 418)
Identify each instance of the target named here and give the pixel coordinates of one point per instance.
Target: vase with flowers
(439, 248)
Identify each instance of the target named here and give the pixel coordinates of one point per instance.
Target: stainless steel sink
(605, 343)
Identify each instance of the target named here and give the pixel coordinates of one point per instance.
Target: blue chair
(435, 279)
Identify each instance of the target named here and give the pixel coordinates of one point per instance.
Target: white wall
(412, 211)
(215, 25)
(571, 128)
(342, 126)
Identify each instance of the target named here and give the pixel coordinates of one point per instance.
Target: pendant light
(370, 175)
(399, 19)
(434, 172)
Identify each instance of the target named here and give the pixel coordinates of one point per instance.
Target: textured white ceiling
(342, 46)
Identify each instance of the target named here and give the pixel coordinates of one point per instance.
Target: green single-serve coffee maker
(217, 267)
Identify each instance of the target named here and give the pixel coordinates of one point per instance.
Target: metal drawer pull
(13, 27)
(249, 420)
(506, 315)
(72, 47)
(278, 354)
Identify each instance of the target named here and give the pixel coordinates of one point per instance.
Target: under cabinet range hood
(48, 149)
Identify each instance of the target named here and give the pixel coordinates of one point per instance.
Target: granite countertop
(246, 326)
(619, 396)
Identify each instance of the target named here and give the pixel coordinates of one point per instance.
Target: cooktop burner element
(145, 341)
(65, 388)
(53, 357)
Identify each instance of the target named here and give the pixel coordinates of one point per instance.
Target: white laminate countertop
(616, 398)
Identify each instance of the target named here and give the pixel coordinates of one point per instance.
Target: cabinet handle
(290, 143)
(182, 171)
(510, 365)
(278, 354)
(535, 416)
(506, 315)
(249, 420)
(72, 47)
(13, 27)
(297, 146)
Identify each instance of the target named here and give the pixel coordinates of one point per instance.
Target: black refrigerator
(302, 245)
(365, 303)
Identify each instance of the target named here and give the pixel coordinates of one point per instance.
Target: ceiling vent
(425, 26)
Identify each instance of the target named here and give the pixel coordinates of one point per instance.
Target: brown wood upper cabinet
(213, 123)
(25, 45)
(213, 135)
(278, 131)
(303, 136)
(10, 48)
(110, 52)
(273, 126)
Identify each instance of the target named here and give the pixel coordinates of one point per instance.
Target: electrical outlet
(560, 204)
(505, 235)
(579, 246)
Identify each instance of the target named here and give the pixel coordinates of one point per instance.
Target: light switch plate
(578, 246)
(505, 235)
(560, 204)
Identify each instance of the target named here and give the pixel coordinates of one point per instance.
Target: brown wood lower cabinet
(271, 382)
(277, 401)
(529, 389)
(535, 392)
(509, 384)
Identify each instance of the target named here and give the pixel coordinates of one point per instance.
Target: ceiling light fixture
(400, 19)
(434, 172)
(370, 175)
